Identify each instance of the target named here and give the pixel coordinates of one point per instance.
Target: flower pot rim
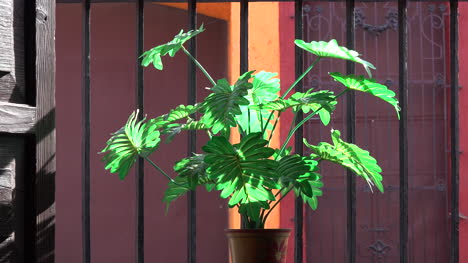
(260, 230)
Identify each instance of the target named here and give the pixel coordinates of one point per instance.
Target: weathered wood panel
(6, 36)
(12, 86)
(12, 175)
(17, 118)
(45, 130)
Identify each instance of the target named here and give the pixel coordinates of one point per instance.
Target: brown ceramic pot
(258, 245)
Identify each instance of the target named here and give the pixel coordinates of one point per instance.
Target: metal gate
(353, 20)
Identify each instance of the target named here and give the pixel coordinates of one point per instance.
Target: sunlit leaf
(136, 138)
(242, 171)
(333, 50)
(265, 88)
(360, 83)
(153, 56)
(349, 156)
(221, 106)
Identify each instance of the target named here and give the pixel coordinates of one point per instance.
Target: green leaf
(174, 115)
(333, 50)
(192, 173)
(351, 157)
(176, 190)
(360, 83)
(242, 171)
(309, 101)
(153, 56)
(300, 173)
(134, 139)
(265, 88)
(193, 167)
(221, 106)
(173, 129)
(304, 101)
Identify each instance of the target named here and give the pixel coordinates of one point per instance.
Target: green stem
(199, 66)
(274, 127)
(160, 170)
(302, 76)
(294, 85)
(277, 202)
(292, 131)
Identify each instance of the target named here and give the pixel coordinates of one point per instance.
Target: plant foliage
(331, 49)
(136, 138)
(350, 156)
(360, 83)
(251, 174)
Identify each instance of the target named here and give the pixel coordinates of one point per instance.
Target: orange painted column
(264, 54)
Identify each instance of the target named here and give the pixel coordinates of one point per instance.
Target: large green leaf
(300, 173)
(194, 168)
(333, 50)
(242, 171)
(136, 138)
(173, 129)
(221, 106)
(322, 101)
(265, 88)
(192, 172)
(153, 56)
(350, 156)
(370, 86)
(179, 113)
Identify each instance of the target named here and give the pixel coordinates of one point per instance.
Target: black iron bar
(299, 68)
(140, 169)
(244, 36)
(403, 127)
(244, 46)
(86, 133)
(454, 131)
(192, 136)
(351, 137)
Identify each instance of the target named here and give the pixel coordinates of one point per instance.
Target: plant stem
(294, 85)
(199, 66)
(160, 170)
(301, 77)
(277, 202)
(274, 127)
(292, 131)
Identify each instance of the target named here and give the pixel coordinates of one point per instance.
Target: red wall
(112, 88)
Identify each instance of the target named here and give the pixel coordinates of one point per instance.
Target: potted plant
(250, 174)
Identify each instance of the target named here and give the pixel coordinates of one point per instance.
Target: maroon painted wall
(377, 131)
(112, 88)
(463, 107)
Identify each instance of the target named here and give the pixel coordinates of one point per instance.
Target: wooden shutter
(27, 130)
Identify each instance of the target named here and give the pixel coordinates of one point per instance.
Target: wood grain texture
(12, 176)
(12, 85)
(6, 36)
(45, 130)
(17, 118)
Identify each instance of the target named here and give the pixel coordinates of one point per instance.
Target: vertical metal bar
(140, 169)
(299, 68)
(244, 36)
(454, 128)
(192, 136)
(86, 133)
(244, 47)
(351, 137)
(403, 131)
